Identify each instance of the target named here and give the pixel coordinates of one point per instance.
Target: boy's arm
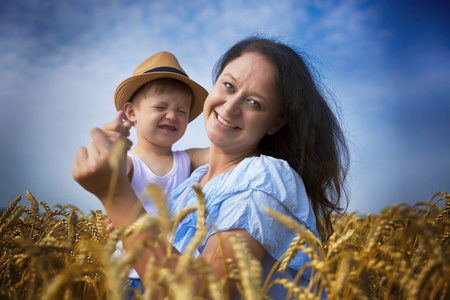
(198, 157)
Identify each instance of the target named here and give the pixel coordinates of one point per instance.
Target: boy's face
(161, 119)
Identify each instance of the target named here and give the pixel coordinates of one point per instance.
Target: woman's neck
(221, 162)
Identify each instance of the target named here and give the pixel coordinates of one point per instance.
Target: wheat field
(60, 253)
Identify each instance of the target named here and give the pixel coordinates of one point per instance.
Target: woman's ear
(129, 111)
(280, 122)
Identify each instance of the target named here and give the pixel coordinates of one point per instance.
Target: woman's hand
(118, 129)
(109, 226)
(93, 165)
(100, 168)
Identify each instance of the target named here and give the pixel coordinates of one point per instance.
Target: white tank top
(142, 176)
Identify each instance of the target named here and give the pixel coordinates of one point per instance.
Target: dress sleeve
(245, 210)
(236, 200)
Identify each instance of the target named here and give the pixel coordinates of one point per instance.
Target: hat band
(166, 69)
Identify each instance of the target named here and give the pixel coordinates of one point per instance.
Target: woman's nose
(233, 105)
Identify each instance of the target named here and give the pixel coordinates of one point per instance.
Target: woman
(274, 142)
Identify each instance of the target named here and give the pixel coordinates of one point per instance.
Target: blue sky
(385, 63)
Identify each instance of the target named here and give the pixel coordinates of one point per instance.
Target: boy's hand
(118, 128)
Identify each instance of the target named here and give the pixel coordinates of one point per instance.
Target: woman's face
(243, 105)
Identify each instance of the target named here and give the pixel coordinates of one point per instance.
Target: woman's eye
(254, 104)
(228, 85)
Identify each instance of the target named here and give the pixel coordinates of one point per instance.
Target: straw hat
(160, 65)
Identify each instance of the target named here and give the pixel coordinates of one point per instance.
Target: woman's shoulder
(254, 184)
(266, 170)
(267, 174)
(275, 178)
(265, 160)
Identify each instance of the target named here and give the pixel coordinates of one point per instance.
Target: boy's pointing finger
(118, 117)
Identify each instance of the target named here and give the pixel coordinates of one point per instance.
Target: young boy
(160, 100)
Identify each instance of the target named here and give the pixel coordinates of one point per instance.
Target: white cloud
(61, 62)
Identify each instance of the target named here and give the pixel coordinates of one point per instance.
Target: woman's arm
(216, 253)
(96, 172)
(100, 168)
(93, 170)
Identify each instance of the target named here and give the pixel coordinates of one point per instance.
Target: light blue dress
(236, 200)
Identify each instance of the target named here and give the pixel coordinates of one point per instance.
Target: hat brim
(129, 86)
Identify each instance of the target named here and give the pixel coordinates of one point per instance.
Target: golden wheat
(401, 253)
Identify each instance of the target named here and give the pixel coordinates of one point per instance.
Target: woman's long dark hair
(312, 141)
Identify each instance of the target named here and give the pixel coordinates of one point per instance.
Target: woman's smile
(226, 123)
